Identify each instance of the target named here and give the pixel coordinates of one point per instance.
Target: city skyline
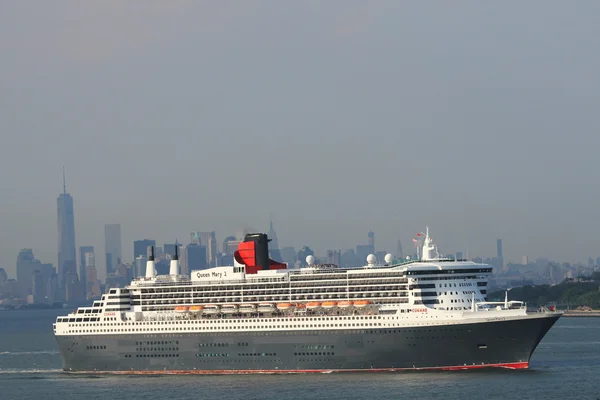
(342, 118)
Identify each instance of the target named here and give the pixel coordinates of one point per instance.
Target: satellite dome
(310, 260)
(371, 259)
(388, 258)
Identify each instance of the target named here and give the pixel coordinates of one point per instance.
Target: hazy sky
(477, 118)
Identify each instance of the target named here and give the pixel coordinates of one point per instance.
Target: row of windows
(95, 347)
(315, 347)
(243, 320)
(78, 319)
(144, 349)
(159, 342)
(155, 355)
(316, 354)
(449, 271)
(213, 355)
(213, 345)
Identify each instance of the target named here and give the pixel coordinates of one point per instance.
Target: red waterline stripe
(517, 365)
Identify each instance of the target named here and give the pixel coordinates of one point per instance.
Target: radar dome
(371, 259)
(310, 260)
(388, 258)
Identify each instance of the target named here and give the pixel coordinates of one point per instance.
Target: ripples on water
(566, 365)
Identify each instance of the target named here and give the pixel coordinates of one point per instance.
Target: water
(566, 365)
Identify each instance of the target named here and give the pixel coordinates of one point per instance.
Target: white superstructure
(432, 290)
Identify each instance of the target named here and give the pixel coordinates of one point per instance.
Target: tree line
(570, 293)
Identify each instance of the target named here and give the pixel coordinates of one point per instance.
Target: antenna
(64, 182)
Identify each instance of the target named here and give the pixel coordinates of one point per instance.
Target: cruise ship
(258, 316)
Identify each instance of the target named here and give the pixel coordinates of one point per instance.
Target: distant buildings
(67, 261)
(83, 250)
(112, 247)
(36, 282)
(92, 286)
(140, 247)
(209, 241)
(499, 255)
(193, 257)
(274, 252)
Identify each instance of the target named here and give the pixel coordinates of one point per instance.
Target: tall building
(112, 247)
(208, 240)
(371, 236)
(500, 255)
(34, 278)
(67, 259)
(83, 250)
(274, 252)
(92, 287)
(140, 247)
(399, 252)
(169, 248)
(193, 257)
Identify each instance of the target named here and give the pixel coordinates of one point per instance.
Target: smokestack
(261, 249)
(174, 266)
(150, 270)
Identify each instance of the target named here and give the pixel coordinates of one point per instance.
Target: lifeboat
(329, 304)
(344, 304)
(300, 306)
(361, 303)
(247, 308)
(196, 309)
(313, 305)
(229, 308)
(266, 308)
(181, 309)
(211, 309)
(284, 306)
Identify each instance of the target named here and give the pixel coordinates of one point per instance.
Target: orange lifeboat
(181, 309)
(313, 305)
(284, 306)
(361, 303)
(329, 304)
(344, 304)
(300, 306)
(196, 309)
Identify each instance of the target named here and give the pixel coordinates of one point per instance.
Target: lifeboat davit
(329, 304)
(266, 308)
(313, 305)
(247, 308)
(181, 309)
(344, 304)
(196, 309)
(211, 309)
(284, 306)
(361, 303)
(229, 308)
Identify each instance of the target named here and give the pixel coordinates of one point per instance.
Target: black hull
(506, 343)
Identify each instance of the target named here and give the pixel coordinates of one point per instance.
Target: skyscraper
(140, 247)
(67, 259)
(500, 255)
(112, 247)
(83, 264)
(274, 252)
(208, 240)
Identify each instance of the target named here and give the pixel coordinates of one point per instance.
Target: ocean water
(566, 365)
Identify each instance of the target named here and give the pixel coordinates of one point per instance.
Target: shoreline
(580, 314)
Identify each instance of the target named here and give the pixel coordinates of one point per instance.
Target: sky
(478, 119)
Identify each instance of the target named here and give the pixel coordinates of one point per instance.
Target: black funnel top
(150, 253)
